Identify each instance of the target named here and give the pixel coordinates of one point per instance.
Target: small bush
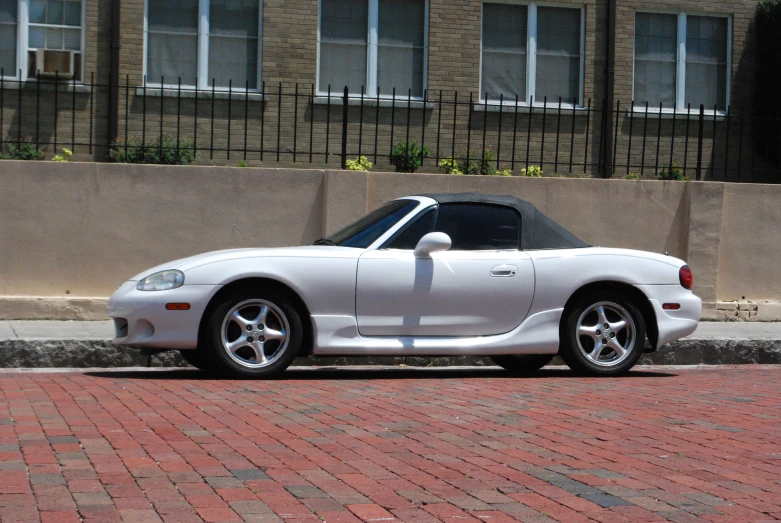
(407, 157)
(242, 163)
(532, 172)
(472, 163)
(449, 166)
(632, 176)
(155, 151)
(66, 153)
(24, 150)
(359, 164)
(504, 172)
(672, 172)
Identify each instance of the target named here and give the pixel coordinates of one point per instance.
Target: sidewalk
(88, 344)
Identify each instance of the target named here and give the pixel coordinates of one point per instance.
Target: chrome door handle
(504, 271)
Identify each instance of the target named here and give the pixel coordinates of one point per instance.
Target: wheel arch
(271, 284)
(638, 298)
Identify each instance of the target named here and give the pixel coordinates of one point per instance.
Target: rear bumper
(673, 324)
(141, 319)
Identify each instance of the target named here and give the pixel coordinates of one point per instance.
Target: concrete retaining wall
(72, 232)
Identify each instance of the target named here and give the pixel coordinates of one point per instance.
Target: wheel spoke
(620, 350)
(601, 315)
(257, 348)
(235, 345)
(598, 347)
(617, 326)
(591, 332)
(262, 315)
(271, 334)
(239, 320)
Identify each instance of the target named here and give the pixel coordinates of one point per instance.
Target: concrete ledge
(52, 308)
(43, 353)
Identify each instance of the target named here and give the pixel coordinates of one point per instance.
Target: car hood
(302, 251)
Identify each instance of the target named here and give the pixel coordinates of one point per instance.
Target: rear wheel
(522, 363)
(603, 334)
(253, 334)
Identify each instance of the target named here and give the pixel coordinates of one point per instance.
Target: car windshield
(365, 231)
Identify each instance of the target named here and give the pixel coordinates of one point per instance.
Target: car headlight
(161, 281)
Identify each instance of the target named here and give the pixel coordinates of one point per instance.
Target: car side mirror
(432, 242)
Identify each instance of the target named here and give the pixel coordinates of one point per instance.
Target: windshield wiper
(324, 241)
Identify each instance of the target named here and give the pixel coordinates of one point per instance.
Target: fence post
(344, 126)
(699, 143)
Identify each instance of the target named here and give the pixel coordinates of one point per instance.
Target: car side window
(408, 238)
(479, 226)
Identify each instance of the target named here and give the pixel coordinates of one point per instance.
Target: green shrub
(24, 150)
(504, 172)
(672, 172)
(66, 153)
(632, 176)
(242, 163)
(165, 152)
(533, 172)
(359, 164)
(472, 163)
(407, 157)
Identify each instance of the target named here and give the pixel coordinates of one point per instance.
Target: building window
(42, 38)
(532, 52)
(681, 60)
(373, 44)
(223, 51)
(8, 21)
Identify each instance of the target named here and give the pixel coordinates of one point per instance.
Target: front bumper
(673, 324)
(141, 319)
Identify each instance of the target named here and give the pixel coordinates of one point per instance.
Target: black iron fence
(293, 124)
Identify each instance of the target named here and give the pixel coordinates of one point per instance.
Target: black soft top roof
(537, 230)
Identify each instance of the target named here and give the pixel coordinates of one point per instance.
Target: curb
(39, 353)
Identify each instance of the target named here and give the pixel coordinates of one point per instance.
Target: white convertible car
(433, 275)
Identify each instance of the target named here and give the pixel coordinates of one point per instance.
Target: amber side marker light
(177, 306)
(671, 306)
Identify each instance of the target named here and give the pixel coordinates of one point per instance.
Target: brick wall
(289, 56)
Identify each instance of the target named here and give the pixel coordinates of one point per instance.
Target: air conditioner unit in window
(50, 63)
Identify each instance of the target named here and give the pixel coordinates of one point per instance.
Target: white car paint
(388, 302)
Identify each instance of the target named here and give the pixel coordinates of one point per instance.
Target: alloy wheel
(255, 333)
(605, 334)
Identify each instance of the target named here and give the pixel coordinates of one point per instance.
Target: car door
(482, 285)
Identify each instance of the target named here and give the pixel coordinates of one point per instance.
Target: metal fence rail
(293, 124)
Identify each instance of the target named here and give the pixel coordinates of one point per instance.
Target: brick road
(372, 445)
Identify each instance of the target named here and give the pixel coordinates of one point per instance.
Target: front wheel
(254, 334)
(603, 334)
(522, 363)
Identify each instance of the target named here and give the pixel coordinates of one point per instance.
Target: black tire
(574, 348)
(196, 358)
(522, 363)
(244, 362)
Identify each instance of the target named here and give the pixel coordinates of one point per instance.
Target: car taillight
(686, 277)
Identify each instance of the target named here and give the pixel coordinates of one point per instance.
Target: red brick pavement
(372, 445)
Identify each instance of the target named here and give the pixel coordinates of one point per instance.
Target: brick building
(178, 59)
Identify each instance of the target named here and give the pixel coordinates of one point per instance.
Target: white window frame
(531, 54)
(372, 44)
(680, 65)
(202, 67)
(23, 41)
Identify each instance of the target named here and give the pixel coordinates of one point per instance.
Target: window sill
(525, 109)
(47, 86)
(639, 112)
(399, 103)
(207, 94)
